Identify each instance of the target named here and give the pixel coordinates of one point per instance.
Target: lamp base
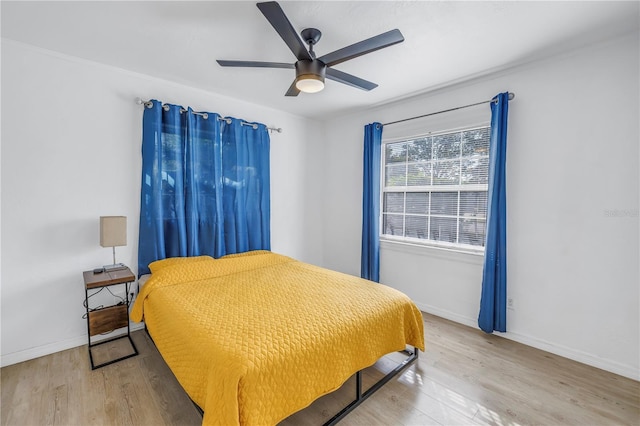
(114, 267)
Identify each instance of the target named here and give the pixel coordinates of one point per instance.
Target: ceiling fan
(310, 70)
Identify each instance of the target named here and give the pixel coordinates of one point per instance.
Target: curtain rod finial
(511, 96)
(141, 101)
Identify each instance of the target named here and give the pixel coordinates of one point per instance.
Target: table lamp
(113, 233)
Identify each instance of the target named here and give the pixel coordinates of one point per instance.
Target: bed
(255, 337)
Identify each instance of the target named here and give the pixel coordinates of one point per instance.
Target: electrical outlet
(510, 303)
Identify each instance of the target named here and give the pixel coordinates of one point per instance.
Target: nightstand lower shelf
(106, 320)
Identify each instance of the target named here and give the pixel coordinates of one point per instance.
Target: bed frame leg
(361, 397)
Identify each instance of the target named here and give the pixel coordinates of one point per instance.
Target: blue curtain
(205, 185)
(370, 257)
(493, 302)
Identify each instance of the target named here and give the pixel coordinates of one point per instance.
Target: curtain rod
(511, 96)
(204, 115)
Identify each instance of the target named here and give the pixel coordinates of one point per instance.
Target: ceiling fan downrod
(311, 36)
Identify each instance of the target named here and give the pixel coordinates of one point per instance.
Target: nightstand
(110, 318)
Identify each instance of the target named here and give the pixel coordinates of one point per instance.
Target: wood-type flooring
(465, 377)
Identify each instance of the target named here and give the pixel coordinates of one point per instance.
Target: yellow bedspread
(254, 338)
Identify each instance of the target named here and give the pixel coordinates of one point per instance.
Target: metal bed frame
(361, 397)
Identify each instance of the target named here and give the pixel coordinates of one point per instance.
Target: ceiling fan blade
(293, 90)
(275, 15)
(363, 47)
(254, 64)
(351, 80)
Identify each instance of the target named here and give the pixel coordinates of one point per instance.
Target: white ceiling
(445, 42)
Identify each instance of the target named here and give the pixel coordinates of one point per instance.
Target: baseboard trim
(442, 313)
(579, 356)
(563, 351)
(38, 351)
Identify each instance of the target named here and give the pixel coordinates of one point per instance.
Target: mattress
(253, 338)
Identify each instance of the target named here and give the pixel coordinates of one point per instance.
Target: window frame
(458, 189)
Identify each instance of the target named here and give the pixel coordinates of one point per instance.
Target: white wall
(573, 186)
(71, 135)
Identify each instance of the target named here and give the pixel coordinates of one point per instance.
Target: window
(434, 189)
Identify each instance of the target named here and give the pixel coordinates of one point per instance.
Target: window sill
(445, 253)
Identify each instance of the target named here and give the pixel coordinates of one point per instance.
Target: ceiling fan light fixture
(310, 75)
(310, 83)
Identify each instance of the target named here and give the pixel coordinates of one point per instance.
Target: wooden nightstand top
(103, 279)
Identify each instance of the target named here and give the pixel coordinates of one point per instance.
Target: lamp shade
(113, 231)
